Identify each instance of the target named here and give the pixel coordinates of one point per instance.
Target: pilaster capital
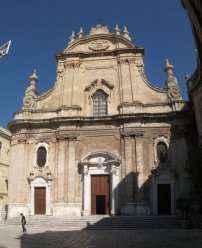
(131, 133)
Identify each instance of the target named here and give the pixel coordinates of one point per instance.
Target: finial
(187, 77)
(81, 33)
(33, 78)
(167, 63)
(72, 37)
(168, 66)
(125, 30)
(126, 34)
(117, 30)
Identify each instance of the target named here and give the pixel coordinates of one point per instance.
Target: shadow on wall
(174, 177)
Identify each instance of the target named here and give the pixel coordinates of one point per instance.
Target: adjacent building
(103, 140)
(5, 136)
(194, 85)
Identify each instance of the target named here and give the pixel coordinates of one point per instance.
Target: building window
(99, 103)
(41, 156)
(162, 152)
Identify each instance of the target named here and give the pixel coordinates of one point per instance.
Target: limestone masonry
(103, 140)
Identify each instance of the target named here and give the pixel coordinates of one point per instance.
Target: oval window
(41, 156)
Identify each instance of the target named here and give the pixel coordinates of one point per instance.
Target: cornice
(114, 53)
(117, 120)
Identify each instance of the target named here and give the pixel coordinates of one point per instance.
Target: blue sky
(40, 28)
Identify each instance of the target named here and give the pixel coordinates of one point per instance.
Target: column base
(67, 209)
(135, 209)
(85, 213)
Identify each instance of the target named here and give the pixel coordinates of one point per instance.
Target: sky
(39, 29)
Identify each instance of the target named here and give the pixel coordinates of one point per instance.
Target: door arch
(163, 192)
(103, 164)
(40, 191)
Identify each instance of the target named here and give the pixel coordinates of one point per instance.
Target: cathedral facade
(103, 140)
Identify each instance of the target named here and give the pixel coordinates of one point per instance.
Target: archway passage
(100, 194)
(40, 200)
(164, 199)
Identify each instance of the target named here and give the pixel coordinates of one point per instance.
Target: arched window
(162, 152)
(41, 156)
(99, 103)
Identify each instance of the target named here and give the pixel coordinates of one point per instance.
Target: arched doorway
(163, 192)
(40, 196)
(100, 173)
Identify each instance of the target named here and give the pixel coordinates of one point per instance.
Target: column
(86, 192)
(126, 80)
(61, 167)
(140, 169)
(114, 183)
(129, 192)
(71, 169)
(32, 199)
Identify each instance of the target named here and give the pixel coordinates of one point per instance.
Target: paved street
(14, 238)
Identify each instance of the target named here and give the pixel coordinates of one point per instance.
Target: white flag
(4, 49)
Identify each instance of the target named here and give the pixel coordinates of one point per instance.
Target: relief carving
(67, 137)
(97, 83)
(31, 93)
(99, 45)
(126, 61)
(172, 83)
(72, 65)
(124, 133)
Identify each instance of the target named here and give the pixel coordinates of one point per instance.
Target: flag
(4, 49)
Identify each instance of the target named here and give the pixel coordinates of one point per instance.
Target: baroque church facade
(103, 140)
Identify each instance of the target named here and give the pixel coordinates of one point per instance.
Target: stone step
(97, 223)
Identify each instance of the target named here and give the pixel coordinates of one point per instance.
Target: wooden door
(40, 200)
(100, 194)
(164, 198)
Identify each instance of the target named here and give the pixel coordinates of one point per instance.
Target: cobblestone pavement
(14, 238)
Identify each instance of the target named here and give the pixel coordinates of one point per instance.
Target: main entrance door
(40, 200)
(164, 198)
(100, 192)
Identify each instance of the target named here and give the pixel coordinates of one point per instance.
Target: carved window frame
(37, 146)
(158, 140)
(97, 111)
(97, 85)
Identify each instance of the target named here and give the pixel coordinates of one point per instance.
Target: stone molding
(157, 140)
(99, 45)
(131, 133)
(67, 137)
(99, 85)
(72, 65)
(99, 29)
(45, 174)
(45, 145)
(126, 61)
(29, 100)
(99, 163)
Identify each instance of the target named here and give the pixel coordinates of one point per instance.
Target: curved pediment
(97, 43)
(96, 83)
(99, 39)
(99, 157)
